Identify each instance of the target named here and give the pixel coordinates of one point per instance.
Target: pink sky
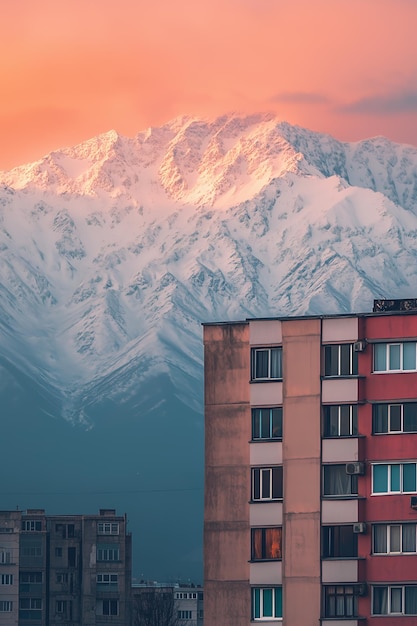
(71, 69)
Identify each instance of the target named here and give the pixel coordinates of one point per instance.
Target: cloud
(386, 104)
(300, 97)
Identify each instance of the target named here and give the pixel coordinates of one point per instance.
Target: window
(58, 552)
(267, 483)
(5, 556)
(337, 482)
(266, 543)
(340, 601)
(394, 478)
(108, 607)
(394, 600)
(6, 529)
(72, 557)
(340, 360)
(266, 363)
(340, 420)
(30, 608)
(339, 542)
(267, 423)
(394, 538)
(31, 525)
(33, 550)
(184, 614)
(30, 577)
(394, 418)
(61, 606)
(108, 528)
(107, 581)
(6, 606)
(6, 579)
(61, 578)
(395, 357)
(266, 603)
(107, 552)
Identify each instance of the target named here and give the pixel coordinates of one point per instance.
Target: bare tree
(155, 607)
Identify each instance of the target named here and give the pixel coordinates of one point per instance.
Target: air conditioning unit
(361, 589)
(355, 469)
(359, 528)
(359, 346)
(413, 502)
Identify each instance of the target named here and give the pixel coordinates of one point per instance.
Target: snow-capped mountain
(113, 252)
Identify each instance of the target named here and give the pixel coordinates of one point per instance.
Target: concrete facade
(311, 467)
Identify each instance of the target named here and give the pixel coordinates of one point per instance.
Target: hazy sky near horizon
(72, 69)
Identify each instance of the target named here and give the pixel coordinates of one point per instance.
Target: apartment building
(311, 469)
(163, 603)
(66, 570)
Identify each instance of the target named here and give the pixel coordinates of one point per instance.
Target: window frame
(276, 604)
(388, 538)
(258, 485)
(353, 479)
(390, 418)
(260, 540)
(350, 595)
(6, 606)
(6, 579)
(340, 366)
(327, 417)
(390, 465)
(389, 589)
(333, 544)
(31, 525)
(274, 423)
(105, 550)
(388, 357)
(108, 528)
(254, 364)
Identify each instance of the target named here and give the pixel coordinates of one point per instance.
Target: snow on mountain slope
(114, 252)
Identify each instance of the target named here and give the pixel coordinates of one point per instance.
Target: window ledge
(266, 440)
(279, 500)
(265, 380)
(343, 558)
(343, 376)
(344, 437)
(343, 619)
(267, 560)
(343, 497)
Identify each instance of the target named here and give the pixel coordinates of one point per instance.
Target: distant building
(65, 570)
(311, 469)
(188, 600)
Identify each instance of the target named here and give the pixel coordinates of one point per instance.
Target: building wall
(227, 486)
(10, 523)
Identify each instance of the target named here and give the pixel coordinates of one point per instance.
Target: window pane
(265, 424)
(276, 363)
(396, 599)
(267, 603)
(337, 482)
(345, 428)
(380, 601)
(256, 422)
(394, 352)
(266, 483)
(256, 484)
(256, 603)
(278, 602)
(354, 419)
(409, 537)
(261, 363)
(380, 539)
(277, 423)
(395, 477)
(395, 417)
(395, 538)
(331, 360)
(411, 600)
(410, 417)
(409, 477)
(257, 543)
(380, 418)
(345, 367)
(273, 543)
(409, 355)
(380, 478)
(380, 357)
(277, 482)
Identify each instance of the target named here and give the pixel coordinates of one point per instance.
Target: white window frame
(270, 497)
(390, 466)
(391, 431)
(390, 588)
(108, 528)
(352, 358)
(388, 534)
(389, 345)
(269, 350)
(266, 618)
(353, 414)
(5, 556)
(103, 553)
(111, 580)
(185, 614)
(31, 525)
